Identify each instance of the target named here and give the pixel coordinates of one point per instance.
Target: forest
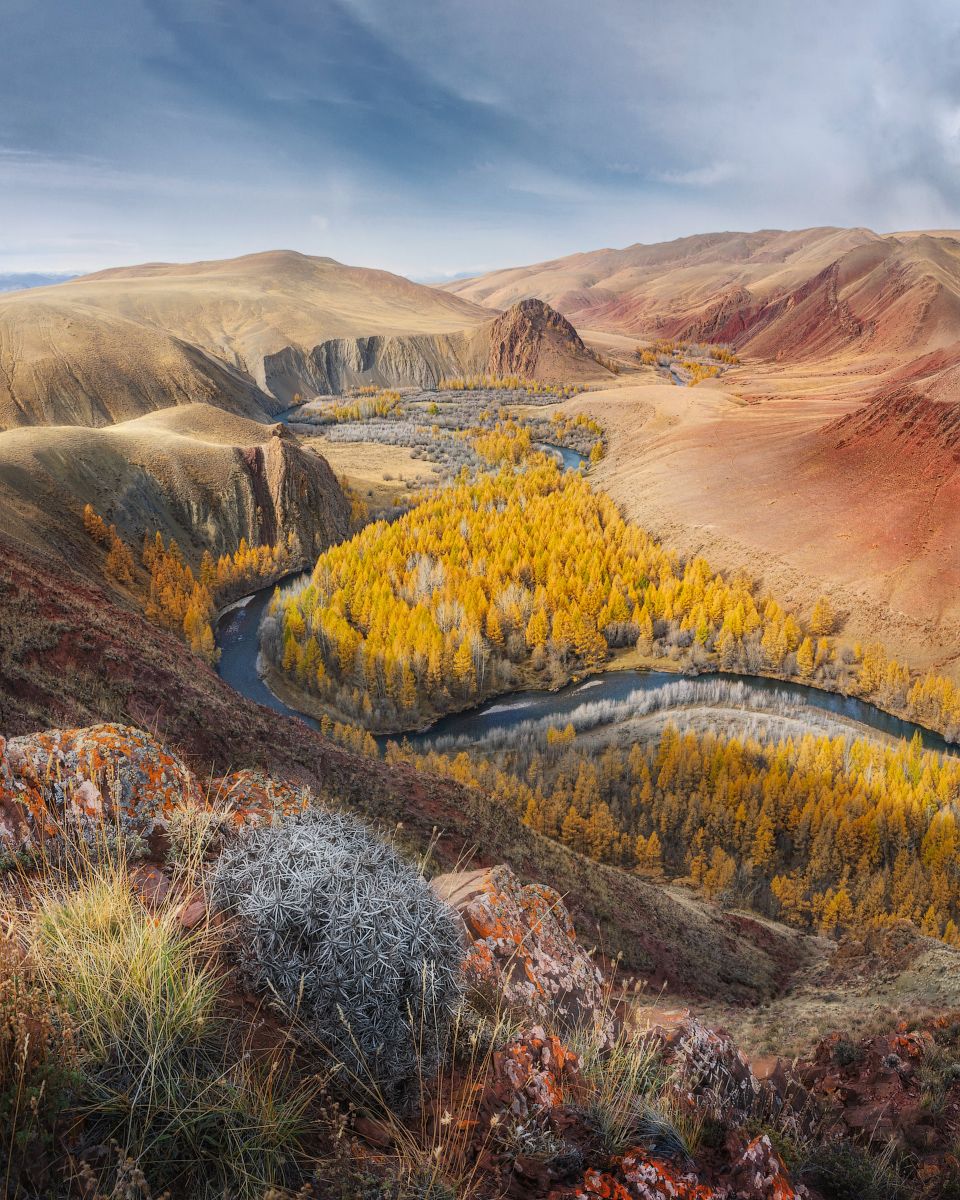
(826, 833)
(521, 574)
(174, 596)
(499, 579)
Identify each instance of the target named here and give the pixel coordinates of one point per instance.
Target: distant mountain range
(18, 282)
(247, 334)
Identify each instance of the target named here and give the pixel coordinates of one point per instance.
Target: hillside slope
(642, 286)
(774, 295)
(194, 473)
(246, 334)
(56, 631)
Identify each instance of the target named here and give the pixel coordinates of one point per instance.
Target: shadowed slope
(195, 473)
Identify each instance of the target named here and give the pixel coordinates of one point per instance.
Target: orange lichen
(111, 773)
(523, 947)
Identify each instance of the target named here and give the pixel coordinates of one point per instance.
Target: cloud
(409, 133)
(697, 176)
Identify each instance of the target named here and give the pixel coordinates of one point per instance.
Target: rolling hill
(244, 334)
(827, 461)
(773, 295)
(195, 473)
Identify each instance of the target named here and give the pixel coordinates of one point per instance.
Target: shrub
(843, 1170)
(36, 1052)
(339, 931)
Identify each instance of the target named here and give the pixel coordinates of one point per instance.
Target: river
(237, 635)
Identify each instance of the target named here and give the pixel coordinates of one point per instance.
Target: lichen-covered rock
(758, 1174)
(252, 798)
(635, 1176)
(531, 1073)
(709, 1064)
(523, 947)
(64, 779)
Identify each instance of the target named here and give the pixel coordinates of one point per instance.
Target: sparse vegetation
(687, 362)
(507, 383)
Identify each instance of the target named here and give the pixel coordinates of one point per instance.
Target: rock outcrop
(118, 779)
(530, 340)
(523, 948)
(534, 341)
(194, 473)
(79, 779)
(523, 952)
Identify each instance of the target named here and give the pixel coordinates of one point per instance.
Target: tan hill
(246, 334)
(195, 473)
(642, 287)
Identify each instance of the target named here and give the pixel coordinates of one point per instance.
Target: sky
(435, 137)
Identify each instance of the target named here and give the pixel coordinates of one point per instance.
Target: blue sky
(440, 136)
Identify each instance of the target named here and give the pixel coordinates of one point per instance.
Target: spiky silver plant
(334, 926)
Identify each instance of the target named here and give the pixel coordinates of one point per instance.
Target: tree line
(174, 596)
(501, 578)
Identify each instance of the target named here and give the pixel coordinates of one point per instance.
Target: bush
(36, 1054)
(339, 931)
(843, 1170)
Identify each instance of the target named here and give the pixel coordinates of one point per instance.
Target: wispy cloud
(706, 176)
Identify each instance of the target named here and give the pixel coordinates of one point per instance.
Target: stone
(108, 774)
(522, 947)
(251, 797)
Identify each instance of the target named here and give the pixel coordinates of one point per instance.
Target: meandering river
(237, 635)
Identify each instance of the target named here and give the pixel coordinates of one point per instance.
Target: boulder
(64, 779)
(531, 1072)
(523, 948)
(758, 1174)
(252, 798)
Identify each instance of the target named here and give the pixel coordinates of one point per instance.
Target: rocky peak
(534, 341)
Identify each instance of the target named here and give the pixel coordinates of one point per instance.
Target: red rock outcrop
(756, 1174)
(252, 797)
(523, 947)
(534, 341)
(900, 1086)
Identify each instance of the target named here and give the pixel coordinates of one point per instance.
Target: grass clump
(36, 1059)
(630, 1096)
(844, 1170)
(163, 1073)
